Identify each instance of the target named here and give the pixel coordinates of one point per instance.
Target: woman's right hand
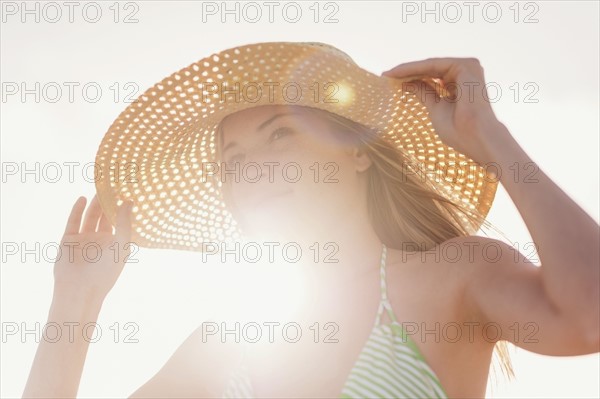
(92, 257)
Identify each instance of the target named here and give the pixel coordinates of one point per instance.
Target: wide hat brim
(154, 152)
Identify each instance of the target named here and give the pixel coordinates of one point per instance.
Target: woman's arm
(567, 239)
(80, 287)
(199, 368)
(562, 297)
(58, 363)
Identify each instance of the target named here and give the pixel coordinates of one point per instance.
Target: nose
(260, 154)
(259, 163)
(260, 172)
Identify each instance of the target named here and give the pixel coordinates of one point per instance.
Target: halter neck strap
(384, 301)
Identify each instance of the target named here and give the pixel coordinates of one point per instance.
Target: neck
(345, 246)
(348, 261)
(336, 264)
(349, 248)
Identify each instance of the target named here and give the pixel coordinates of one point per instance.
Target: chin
(283, 221)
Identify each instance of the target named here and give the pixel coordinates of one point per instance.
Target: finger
(74, 221)
(434, 67)
(123, 227)
(427, 91)
(92, 215)
(104, 225)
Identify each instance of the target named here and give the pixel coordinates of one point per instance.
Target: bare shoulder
(447, 265)
(199, 367)
(460, 256)
(428, 291)
(467, 269)
(422, 288)
(441, 276)
(475, 258)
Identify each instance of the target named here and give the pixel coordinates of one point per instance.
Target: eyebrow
(262, 126)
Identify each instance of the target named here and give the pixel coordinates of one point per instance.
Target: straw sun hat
(158, 150)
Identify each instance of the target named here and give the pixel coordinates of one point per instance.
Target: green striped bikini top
(389, 366)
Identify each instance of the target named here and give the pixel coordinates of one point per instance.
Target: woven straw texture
(154, 152)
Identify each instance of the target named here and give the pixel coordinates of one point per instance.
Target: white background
(168, 293)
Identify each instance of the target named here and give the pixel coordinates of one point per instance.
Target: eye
(279, 133)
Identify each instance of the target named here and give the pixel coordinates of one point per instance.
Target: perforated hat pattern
(161, 148)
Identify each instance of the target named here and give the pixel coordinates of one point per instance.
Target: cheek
(328, 180)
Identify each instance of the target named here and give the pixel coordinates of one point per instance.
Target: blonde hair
(402, 206)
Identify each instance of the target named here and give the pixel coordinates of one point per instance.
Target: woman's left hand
(464, 120)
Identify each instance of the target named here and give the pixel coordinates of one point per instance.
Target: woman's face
(286, 175)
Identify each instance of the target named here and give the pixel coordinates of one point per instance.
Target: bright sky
(545, 51)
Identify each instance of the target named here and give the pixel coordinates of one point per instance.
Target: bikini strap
(384, 302)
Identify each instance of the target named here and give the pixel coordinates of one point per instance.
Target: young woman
(394, 283)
